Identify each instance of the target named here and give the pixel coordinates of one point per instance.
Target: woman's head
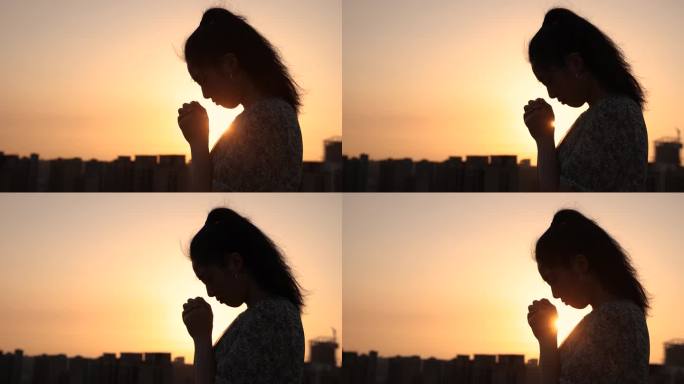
(225, 55)
(575, 252)
(229, 254)
(568, 53)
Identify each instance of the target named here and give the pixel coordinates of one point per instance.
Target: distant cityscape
(141, 173)
(480, 369)
(487, 173)
(141, 368)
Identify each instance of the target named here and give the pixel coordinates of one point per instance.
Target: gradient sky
(101, 79)
(430, 79)
(86, 274)
(440, 275)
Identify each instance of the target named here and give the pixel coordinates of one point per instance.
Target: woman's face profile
(216, 85)
(220, 283)
(566, 284)
(561, 84)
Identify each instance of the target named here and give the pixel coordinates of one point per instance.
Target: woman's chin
(578, 305)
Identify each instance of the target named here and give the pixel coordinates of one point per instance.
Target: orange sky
(445, 274)
(429, 79)
(87, 274)
(94, 79)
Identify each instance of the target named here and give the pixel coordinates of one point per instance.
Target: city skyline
(674, 138)
(535, 359)
(96, 80)
(456, 275)
(429, 79)
(80, 272)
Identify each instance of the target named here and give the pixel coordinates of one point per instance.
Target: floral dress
(606, 149)
(263, 345)
(609, 346)
(261, 152)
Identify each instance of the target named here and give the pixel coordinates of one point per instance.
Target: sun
(567, 319)
(220, 120)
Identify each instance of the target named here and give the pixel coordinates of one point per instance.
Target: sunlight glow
(568, 318)
(220, 120)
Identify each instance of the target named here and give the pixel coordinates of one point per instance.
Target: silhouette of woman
(585, 266)
(234, 64)
(239, 264)
(606, 148)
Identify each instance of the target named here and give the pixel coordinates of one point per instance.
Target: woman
(585, 266)
(606, 149)
(234, 64)
(239, 264)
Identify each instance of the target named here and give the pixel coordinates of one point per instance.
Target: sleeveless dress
(263, 345)
(261, 152)
(606, 149)
(609, 346)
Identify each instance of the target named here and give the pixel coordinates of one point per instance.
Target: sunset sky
(87, 274)
(440, 275)
(102, 79)
(430, 79)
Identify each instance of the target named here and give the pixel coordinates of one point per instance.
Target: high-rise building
(667, 150)
(674, 353)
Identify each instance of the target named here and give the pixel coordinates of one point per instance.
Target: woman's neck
(255, 294)
(596, 92)
(600, 296)
(250, 94)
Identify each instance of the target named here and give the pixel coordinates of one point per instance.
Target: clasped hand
(194, 123)
(198, 318)
(539, 119)
(541, 317)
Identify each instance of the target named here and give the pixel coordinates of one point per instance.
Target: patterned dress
(609, 346)
(261, 152)
(606, 149)
(263, 345)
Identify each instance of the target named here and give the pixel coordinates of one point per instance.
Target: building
(322, 367)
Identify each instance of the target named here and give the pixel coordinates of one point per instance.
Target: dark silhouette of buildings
(480, 369)
(322, 367)
(129, 368)
(456, 174)
(141, 368)
(324, 176)
(141, 173)
(672, 372)
(667, 173)
(486, 173)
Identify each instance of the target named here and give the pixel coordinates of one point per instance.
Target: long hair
(564, 32)
(571, 234)
(225, 231)
(221, 32)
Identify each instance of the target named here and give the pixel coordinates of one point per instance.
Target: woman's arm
(547, 166)
(198, 319)
(201, 170)
(539, 119)
(194, 123)
(205, 364)
(549, 361)
(541, 317)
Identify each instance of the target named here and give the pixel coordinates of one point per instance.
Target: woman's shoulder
(271, 110)
(618, 108)
(616, 315)
(275, 308)
(272, 313)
